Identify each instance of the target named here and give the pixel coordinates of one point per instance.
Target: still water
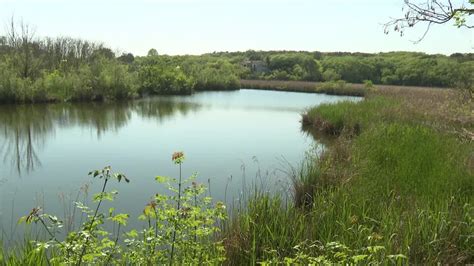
(233, 140)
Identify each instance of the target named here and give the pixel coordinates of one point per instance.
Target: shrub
(220, 75)
(368, 84)
(156, 79)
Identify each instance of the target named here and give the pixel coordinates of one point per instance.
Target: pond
(234, 140)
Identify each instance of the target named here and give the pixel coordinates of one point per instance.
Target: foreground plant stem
(49, 231)
(92, 222)
(115, 244)
(177, 219)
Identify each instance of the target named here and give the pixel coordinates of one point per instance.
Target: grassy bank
(398, 178)
(331, 87)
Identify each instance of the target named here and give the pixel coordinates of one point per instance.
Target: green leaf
(359, 258)
(22, 220)
(53, 219)
(162, 179)
(133, 233)
(375, 249)
(120, 218)
(120, 177)
(105, 196)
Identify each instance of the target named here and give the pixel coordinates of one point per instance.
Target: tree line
(34, 69)
(393, 68)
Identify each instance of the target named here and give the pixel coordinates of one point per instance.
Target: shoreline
(340, 88)
(345, 89)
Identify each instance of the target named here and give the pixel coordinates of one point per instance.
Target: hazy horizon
(206, 26)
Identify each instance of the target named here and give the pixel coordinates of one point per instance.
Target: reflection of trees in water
(25, 128)
(162, 108)
(101, 117)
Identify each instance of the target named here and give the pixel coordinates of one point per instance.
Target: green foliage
(464, 78)
(156, 79)
(368, 84)
(335, 253)
(41, 70)
(185, 220)
(220, 75)
(13, 88)
(394, 68)
(100, 79)
(351, 68)
(66, 69)
(331, 75)
(294, 66)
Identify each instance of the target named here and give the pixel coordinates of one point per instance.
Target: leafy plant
(181, 228)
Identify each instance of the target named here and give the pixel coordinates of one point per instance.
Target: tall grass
(408, 191)
(24, 254)
(351, 117)
(392, 179)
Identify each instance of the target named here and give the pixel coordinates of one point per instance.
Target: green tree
(152, 52)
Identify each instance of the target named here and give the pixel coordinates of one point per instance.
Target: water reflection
(162, 108)
(24, 129)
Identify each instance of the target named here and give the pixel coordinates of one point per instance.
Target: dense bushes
(184, 74)
(156, 79)
(293, 66)
(104, 80)
(65, 69)
(219, 75)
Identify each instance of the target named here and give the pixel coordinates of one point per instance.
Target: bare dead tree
(431, 12)
(22, 40)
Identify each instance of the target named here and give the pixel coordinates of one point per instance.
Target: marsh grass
(350, 117)
(331, 88)
(398, 187)
(398, 176)
(334, 87)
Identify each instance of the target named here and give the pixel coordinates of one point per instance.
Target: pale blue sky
(200, 26)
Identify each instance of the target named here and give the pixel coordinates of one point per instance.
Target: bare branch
(430, 12)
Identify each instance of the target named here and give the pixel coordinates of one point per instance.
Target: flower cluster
(178, 157)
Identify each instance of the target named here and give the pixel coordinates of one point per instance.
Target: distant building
(256, 66)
